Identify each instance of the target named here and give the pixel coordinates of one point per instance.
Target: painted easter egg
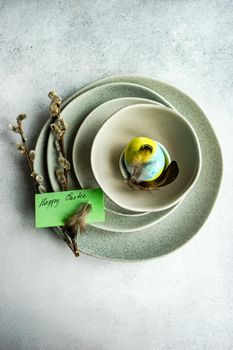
(144, 158)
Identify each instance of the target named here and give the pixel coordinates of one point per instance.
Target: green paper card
(54, 208)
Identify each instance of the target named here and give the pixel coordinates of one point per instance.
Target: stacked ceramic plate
(130, 233)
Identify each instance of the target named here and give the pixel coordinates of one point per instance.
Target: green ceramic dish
(187, 219)
(116, 219)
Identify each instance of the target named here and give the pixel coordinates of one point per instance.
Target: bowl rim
(154, 107)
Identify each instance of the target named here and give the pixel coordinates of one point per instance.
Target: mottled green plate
(116, 218)
(187, 219)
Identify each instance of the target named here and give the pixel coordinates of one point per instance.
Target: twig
(58, 127)
(37, 178)
(77, 222)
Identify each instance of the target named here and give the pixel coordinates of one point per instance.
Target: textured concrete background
(49, 300)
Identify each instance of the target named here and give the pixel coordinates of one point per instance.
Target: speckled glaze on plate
(186, 220)
(74, 113)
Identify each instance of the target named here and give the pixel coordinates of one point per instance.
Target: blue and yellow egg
(151, 156)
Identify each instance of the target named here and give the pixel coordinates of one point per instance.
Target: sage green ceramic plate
(117, 218)
(187, 219)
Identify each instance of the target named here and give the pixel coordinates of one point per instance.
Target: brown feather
(77, 222)
(167, 177)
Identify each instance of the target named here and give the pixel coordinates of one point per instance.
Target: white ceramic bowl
(162, 124)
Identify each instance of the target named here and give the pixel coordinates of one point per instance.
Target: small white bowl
(162, 124)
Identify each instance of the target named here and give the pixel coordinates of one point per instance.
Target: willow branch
(38, 179)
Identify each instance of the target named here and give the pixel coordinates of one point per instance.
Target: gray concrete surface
(49, 300)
